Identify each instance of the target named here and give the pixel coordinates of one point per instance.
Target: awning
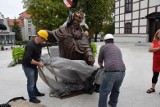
(154, 15)
(2, 27)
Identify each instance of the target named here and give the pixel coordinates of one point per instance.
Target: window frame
(128, 28)
(128, 6)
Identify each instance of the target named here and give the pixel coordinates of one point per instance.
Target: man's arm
(101, 58)
(40, 64)
(28, 56)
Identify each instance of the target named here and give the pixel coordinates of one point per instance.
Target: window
(29, 21)
(29, 30)
(29, 25)
(128, 28)
(128, 6)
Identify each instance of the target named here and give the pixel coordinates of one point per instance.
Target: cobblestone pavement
(132, 94)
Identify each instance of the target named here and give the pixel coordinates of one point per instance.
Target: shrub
(94, 48)
(17, 54)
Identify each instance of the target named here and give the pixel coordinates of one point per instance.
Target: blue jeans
(110, 85)
(32, 77)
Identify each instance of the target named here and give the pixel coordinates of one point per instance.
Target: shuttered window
(128, 28)
(128, 6)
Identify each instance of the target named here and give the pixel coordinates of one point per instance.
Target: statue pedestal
(54, 51)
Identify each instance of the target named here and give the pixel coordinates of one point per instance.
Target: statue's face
(78, 17)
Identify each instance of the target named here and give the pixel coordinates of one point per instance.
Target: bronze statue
(73, 44)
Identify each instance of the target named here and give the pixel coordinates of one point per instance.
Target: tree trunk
(95, 38)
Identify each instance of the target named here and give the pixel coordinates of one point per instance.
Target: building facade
(24, 21)
(136, 20)
(29, 30)
(6, 36)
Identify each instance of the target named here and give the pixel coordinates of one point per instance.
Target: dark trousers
(32, 77)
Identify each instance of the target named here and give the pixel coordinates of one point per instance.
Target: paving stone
(132, 94)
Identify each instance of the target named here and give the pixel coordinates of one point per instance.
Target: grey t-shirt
(111, 55)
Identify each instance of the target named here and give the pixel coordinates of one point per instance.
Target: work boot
(40, 94)
(34, 100)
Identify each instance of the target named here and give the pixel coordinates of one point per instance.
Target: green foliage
(50, 14)
(97, 12)
(94, 48)
(109, 28)
(46, 14)
(17, 53)
(17, 30)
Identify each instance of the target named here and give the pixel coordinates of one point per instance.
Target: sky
(11, 8)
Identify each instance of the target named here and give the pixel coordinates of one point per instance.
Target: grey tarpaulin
(70, 74)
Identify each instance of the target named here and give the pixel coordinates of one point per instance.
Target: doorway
(153, 24)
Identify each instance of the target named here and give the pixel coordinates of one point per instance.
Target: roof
(19, 21)
(24, 15)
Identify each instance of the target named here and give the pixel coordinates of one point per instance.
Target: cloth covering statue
(73, 44)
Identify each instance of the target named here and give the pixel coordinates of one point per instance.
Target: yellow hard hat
(43, 34)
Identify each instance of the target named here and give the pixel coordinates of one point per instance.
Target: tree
(17, 30)
(50, 14)
(98, 12)
(46, 14)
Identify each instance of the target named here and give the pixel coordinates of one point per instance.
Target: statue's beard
(76, 23)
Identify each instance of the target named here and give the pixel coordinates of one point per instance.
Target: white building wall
(143, 4)
(26, 33)
(128, 16)
(158, 9)
(152, 10)
(143, 13)
(1, 16)
(121, 30)
(117, 4)
(143, 22)
(134, 29)
(135, 23)
(142, 30)
(25, 29)
(139, 23)
(122, 2)
(116, 30)
(117, 11)
(121, 10)
(23, 32)
(7, 25)
(135, 15)
(122, 17)
(121, 24)
(117, 18)
(154, 3)
(33, 28)
(135, 0)
(136, 6)
(117, 24)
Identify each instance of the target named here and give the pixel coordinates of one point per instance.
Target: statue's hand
(91, 60)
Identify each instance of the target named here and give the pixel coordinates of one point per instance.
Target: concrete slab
(133, 91)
